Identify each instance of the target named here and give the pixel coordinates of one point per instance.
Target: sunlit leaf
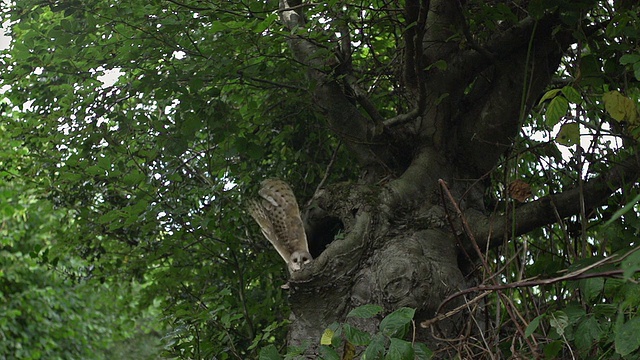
(630, 205)
(556, 110)
(559, 321)
(549, 95)
(620, 107)
(569, 134)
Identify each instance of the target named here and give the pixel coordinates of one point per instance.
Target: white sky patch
(110, 77)
(5, 40)
(179, 55)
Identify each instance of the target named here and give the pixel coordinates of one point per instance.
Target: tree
(423, 137)
(50, 308)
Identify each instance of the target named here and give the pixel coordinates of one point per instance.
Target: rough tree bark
(404, 241)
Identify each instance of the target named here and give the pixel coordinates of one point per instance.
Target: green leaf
(356, 336)
(552, 349)
(328, 353)
(626, 337)
(269, 353)
(620, 107)
(399, 350)
(375, 350)
(104, 162)
(395, 324)
(629, 59)
(631, 264)
(559, 321)
(572, 94)
(591, 288)
(569, 134)
(134, 178)
(261, 26)
(533, 325)
(623, 211)
(537, 8)
(327, 335)
(549, 95)
(440, 65)
(422, 352)
(586, 334)
(557, 109)
(365, 311)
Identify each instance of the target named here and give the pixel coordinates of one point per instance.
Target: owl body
(278, 215)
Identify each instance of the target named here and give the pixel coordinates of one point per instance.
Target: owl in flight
(278, 215)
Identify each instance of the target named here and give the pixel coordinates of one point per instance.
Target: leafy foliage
(137, 129)
(345, 341)
(51, 308)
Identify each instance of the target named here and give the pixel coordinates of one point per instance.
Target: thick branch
(500, 98)
(363, 137)
(442, 23)
(548, 209)
(419, 179)
(471, 62)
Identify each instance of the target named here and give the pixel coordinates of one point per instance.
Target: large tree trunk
(416, 223)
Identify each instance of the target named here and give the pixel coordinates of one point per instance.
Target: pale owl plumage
(278, 215)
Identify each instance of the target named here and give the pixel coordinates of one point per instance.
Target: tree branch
(546, 210)
(364, 137)
(500, 98)
(471, 62)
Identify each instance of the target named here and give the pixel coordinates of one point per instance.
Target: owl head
(299, 259)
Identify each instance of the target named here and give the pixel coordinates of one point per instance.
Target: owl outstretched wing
(278, 215)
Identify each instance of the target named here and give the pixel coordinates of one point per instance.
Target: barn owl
(278, 215)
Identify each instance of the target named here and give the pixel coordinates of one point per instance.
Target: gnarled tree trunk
(406, 242)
